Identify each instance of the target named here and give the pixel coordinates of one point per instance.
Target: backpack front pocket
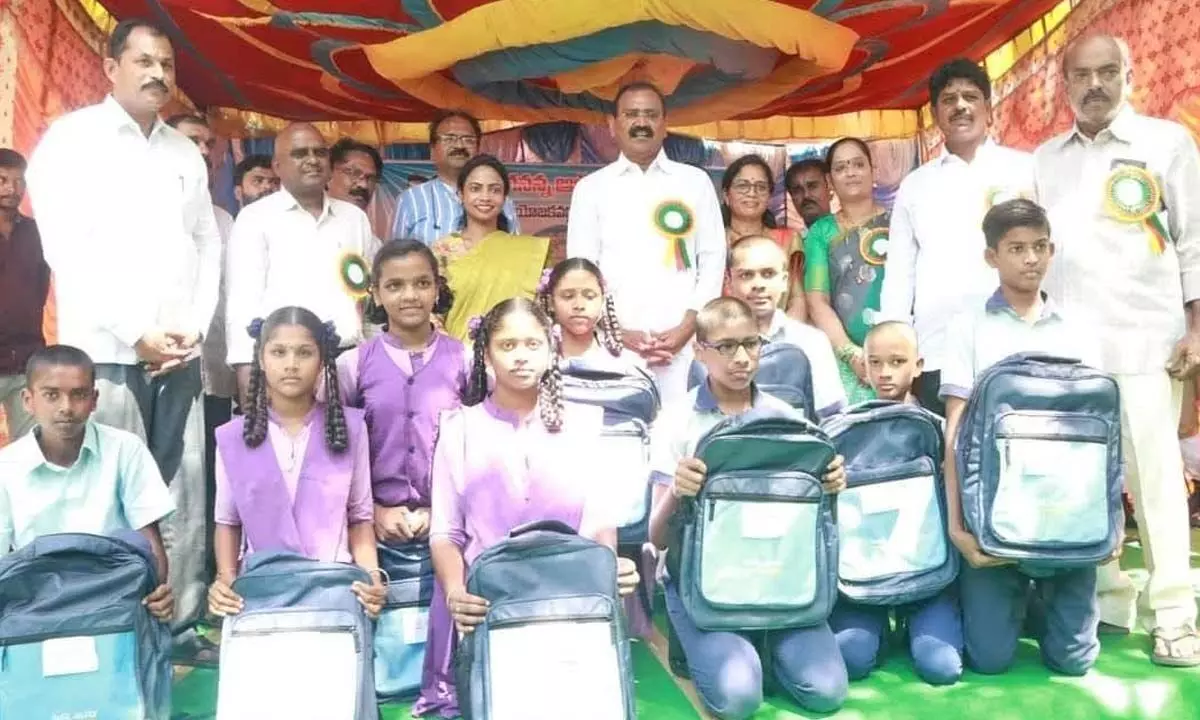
(87, 676)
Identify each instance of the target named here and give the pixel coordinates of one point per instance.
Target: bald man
(1123, 194)
(288, 249)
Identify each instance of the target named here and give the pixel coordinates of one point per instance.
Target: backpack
(893, 544)
(302, 645)
(784, 372)
(1039, 462)
(403, 626)
(553, 642)
(75, 639)
(757, 548)
(630, 399)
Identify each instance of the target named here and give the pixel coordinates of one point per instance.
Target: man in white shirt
(654, 227)
(291, 248)
(935, 267)
(1123, 191)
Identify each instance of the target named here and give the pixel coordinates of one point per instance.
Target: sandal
(1167, 644)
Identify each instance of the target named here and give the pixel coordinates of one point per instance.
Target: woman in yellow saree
(483, 263)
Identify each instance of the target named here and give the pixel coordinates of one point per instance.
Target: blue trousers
(935, 637)
(994, 602)
(728, 672)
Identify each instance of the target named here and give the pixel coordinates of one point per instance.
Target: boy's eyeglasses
(729, 348)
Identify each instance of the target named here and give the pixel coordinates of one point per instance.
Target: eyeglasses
(353, 174)
(464, 140)
(745, 187)
(729, 348)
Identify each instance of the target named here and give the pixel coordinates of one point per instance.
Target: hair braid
(610, 327)
(254, 426)
(477, 384)
(337, 435)
(550, 397)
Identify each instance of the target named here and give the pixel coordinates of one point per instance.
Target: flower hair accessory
(474, 325)
(544, 282)
(331, 336)
(556, 333)
(255, 328)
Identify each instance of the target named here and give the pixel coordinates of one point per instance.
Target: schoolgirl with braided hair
(509, 457)
(293, 473)
(573, 294)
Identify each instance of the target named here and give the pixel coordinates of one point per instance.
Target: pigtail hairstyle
(254, 431)
(403, 248)
(607, 326)
(610, 327)
(550, 391)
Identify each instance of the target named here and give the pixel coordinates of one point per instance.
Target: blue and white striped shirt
(432, 211)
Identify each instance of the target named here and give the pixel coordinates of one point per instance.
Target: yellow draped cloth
(498, 267)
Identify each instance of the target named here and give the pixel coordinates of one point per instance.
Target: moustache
(157, 85)
(359, 192)
(641, 131)
(1095, 95)
(960, 114)
(459, 153)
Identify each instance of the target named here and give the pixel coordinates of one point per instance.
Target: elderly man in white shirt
(127, 226)
(654, 228)
(935, 267)
(298, 246)
(1123, 192)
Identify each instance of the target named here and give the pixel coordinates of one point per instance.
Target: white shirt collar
(1120, 128)
(660, 162)
(120, 118)
(287, 201)
(945, 156)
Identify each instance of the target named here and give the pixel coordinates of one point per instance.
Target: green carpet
(1124, 685)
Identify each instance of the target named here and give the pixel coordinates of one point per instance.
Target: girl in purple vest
(292, 473)
(403, 379)
(510, 457)
(572, 293)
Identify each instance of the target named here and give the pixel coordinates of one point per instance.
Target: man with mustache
(291, 247)
(254, 179)
(935, 267)
(654, 227)
(24, 282)
(807, 183)
(357, 168)
(432, 210)
(1123, 191)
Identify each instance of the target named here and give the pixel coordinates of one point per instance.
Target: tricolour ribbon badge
(1132, 195)
(674, 221)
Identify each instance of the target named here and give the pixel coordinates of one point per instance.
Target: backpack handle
(1042, 358)
(556, 526)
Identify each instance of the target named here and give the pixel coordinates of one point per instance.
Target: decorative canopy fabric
(542, 60)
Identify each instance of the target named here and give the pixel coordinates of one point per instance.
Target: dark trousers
(217, 412)
(927, 386)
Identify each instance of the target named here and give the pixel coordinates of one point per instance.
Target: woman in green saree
(845, 255)
(483, 263)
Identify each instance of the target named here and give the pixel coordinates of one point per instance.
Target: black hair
(607, 324)
(119, 38)
(811, 163)
(958, 69)
(494, 163)
(61, 356)
(442, 116)
(403, 248)
(718, 312)
(1010, 214)
(862, 145)
(731, 172)
(254, 430)
(10, 158)
(180, 118)
(636, 86)
(550, 392)
(342, 149)
(248, 163)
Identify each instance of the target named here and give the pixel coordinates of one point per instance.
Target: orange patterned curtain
(1163, 38)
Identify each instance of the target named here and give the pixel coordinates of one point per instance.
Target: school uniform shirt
(935, 267)
(829, 395)
(280, 255)
(291, 453)
(494, 471)
(127, 227)
(113, 485)
(433, 210)
(992, 331)
(215, 375)
(1109, 265)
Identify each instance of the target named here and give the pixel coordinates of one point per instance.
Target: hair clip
(474, 325)
(544, 282)
(331, 336)
(255, 328)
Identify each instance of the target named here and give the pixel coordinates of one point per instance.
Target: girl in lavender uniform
(403, 379)
(572, 294)
(510, 457)
(292, 473)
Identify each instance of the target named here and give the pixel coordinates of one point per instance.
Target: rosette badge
(355, 275)
(873, 245)
(1132, 195)
(674, 221)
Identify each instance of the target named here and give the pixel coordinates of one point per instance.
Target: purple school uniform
(316, 520)
(491, 473)
(402, 412)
